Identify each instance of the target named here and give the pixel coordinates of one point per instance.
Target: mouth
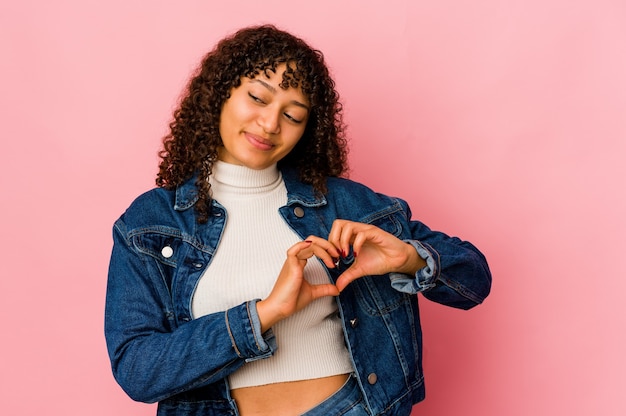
(259, 142)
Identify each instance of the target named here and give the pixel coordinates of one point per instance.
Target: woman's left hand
(375, 251)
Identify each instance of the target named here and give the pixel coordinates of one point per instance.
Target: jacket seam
(232, 338)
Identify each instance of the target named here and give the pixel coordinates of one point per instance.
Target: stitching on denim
(435, 254)
(170, 232)
(230, 334)
(256, 341)
(387, 211)
(461, 289)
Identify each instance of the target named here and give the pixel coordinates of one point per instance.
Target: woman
(207, 315)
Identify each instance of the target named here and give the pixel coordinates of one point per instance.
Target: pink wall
(499, 121)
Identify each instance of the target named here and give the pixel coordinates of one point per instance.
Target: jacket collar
(297, 192)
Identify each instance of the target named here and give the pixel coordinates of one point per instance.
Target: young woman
(255, 280)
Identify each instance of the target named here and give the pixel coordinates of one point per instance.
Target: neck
(242, 179)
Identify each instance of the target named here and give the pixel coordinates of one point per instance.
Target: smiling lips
(259, 142)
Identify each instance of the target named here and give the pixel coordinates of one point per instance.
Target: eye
(293, 119)
(255, 98)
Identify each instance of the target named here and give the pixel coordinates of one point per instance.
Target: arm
(457, 273)
(292, 292)
(448, 270)
(153, 357)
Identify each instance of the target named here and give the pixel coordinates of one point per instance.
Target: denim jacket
(159, 353)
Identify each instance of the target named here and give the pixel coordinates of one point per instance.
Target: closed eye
(255, 98)
(292, 119)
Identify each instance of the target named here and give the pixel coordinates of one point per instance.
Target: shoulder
(345, 198)
(345, 184)
(150, 208)
(351, 195)
(350, 189)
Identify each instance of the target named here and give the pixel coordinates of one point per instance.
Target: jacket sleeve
(152, 356)
(456, 272)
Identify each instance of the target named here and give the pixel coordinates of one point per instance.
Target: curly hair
(191, 147)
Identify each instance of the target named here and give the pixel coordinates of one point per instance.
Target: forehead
(290, 75)
(281, 78)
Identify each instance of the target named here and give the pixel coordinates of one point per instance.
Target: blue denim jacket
(159, 353)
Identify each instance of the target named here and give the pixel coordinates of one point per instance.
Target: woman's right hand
(292, 292)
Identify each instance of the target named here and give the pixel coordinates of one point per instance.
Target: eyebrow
(274, 91)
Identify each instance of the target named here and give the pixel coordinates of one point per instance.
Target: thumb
(319, 291)
(346, 278)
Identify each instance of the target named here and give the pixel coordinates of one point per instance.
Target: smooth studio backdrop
(501, 122)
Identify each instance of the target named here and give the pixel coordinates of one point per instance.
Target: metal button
(299, 212)
(167, 252)
(372, 378)
(354, 322)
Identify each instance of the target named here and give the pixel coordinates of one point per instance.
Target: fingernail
(308, 241)
(354, 254)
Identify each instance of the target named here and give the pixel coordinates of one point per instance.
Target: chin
(257, 165)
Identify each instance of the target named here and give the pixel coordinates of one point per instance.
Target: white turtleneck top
(245, 266)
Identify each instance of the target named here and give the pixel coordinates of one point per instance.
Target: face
(261, 122)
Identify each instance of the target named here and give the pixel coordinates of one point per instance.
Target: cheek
(288, 148)
(234, 112)
(294, 137)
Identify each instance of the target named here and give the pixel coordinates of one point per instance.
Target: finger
(365, 236)
(324, 250)
(334, 237)
(319, 291)
(346, 278)
(299, 246)
(357, 243)
(302, 250)
(325, 245)
(341, 235)
(325, 256)
(307, 249)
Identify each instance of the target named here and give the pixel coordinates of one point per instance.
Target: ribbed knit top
(245, 266)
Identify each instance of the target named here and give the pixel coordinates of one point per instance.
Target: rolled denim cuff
(244, 328)
(424, 278)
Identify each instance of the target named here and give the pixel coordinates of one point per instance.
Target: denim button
(167, 252)
(372, 378)
(299, 212)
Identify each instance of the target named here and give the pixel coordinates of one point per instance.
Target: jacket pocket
(386, 222)
(163, 244)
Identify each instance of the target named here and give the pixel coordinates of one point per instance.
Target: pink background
(502, 122)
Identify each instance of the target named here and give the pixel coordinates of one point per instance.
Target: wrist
(414, 261)
(267, 317)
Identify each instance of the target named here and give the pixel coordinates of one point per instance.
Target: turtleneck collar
(242, 179)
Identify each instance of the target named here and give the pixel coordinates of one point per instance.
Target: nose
(268, 120)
